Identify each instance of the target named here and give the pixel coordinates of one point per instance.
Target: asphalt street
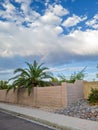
(10, 122)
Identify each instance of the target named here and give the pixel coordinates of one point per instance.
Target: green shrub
(93, 97)
(3, 84)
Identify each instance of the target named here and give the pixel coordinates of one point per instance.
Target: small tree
(55, 81)
(62, 78)
(75, 76)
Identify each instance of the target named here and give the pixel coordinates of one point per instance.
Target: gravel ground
(81, 109)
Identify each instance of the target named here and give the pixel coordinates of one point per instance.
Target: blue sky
(61, 33)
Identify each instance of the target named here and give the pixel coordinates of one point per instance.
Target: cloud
(94, 22)
(19, 15)
(45, 42)
(24, 14)
(58, 10)
(53, 14)
(19, 1)
(50, 18)
(8, 71)
(43, 38)
(25, 7)
(9, 7)
(83, 43)
(72, 21)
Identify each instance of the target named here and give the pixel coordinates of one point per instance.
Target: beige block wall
(53, 97)
(74, 91)
(2, 95)
(11, 97)
(24, 99)
(88, 86)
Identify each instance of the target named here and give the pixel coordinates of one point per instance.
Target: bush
(93, 97)
(3, 84)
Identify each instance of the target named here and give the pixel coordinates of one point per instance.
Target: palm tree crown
(34, 75)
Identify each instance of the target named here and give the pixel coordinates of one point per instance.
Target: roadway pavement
(10, 122)
(59, 121)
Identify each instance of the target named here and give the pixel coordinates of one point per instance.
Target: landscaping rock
(81, 109)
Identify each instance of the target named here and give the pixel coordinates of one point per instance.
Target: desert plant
(55, 81)
(75, 76)
(93, 96)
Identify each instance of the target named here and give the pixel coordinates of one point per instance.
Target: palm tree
(34, 75)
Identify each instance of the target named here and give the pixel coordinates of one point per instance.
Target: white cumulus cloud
(50, 18)
(59, 10)
(72, 21)
(93, 22)
(44, 37)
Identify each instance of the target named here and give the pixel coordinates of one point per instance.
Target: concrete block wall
(74, 91)
(53, 97)
(11, 97)
(24, 99)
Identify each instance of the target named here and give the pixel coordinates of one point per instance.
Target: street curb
(39, 120)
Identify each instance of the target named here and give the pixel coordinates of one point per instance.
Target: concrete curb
(55, 120)
(37, 120)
